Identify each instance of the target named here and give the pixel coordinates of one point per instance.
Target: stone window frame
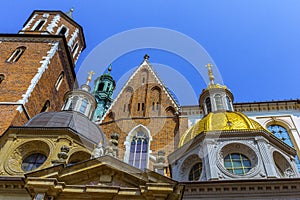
(76, 105)
(16, 54)
(66, 32)
(187, 165)
(12, 164)
(207, 104)
(37, 23)
(131, 134)
(286, 125)
(282, 166)
(59, 81)
(242, 148)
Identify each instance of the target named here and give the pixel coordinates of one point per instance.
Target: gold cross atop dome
(210, 74)
(91, 73)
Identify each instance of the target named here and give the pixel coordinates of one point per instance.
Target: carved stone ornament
(241, 147)
(13, 163)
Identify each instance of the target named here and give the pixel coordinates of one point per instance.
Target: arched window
(228, 101)
(59, 81)
(101, 86)
(281, 133)
(195, 172)
(208, 105)
(108, 87)
(138, 156)
(33, 161)
(219, 103)
(75, 47)
(73, 103)
(83, 106)
(46, 106)
(39, 24)
(2, 77)
(62, 31)
(15, 56)
(237, 163)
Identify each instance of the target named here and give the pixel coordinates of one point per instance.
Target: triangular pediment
(103, 175)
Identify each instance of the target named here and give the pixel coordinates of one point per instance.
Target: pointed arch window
(2, 77)
(282, 133)
(208, 105)
(63, 31)
(39, 24)
(75, 49)
(15, 56)
(138, 156)
(46, 106)
(219, 102)
(59, 81)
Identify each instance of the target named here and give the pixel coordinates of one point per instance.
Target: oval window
(33, 161)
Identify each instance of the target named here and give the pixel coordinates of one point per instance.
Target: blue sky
(255, 44)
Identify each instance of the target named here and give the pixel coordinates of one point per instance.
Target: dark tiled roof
(69, 119)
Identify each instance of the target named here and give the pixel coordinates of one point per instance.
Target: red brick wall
(162, 123)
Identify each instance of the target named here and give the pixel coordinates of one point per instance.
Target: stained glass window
(237, 164)
(33, 161)
(282, 134)
(195, 172)
(139, 150)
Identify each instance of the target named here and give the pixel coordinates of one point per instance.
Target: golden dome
(220, 121)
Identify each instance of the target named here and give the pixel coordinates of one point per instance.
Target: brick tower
(37, 66)
(146, 117)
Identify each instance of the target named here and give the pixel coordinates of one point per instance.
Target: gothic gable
(144, 95)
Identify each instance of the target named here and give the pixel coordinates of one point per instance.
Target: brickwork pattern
(144, 101)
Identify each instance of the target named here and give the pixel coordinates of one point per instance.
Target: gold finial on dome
(91, 73)
(210, 74)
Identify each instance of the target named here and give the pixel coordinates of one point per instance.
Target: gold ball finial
(146, 57)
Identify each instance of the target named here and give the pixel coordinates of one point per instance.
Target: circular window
(237, 164)
(33, 161)
(195, 172)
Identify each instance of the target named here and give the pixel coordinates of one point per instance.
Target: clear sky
(254, 44)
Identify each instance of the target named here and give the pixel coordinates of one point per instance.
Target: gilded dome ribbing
(220, 121)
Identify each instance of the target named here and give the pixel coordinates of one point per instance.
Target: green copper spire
(103, 90)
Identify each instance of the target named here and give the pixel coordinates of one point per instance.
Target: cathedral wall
(162, 131)
(7, 114)
(31, 80)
